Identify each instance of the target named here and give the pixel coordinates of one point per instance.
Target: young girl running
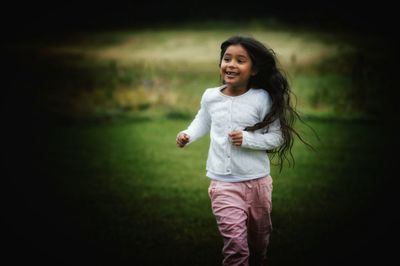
(249, 115)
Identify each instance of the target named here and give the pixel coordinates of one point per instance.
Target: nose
(231, 63)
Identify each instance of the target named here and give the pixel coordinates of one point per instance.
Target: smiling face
(236, 68)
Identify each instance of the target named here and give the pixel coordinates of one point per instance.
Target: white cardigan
(220, 114)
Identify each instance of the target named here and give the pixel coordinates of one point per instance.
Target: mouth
(230, 74)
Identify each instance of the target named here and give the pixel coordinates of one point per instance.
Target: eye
(226, 59)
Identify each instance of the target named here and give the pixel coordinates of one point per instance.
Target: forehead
(237, 49)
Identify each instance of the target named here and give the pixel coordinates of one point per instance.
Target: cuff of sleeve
(250, 141)
(245, 140)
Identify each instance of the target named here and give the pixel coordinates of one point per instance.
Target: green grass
(136, 196)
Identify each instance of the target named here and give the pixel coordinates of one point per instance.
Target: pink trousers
(243, 214)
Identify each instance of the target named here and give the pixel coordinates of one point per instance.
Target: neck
(234, 91)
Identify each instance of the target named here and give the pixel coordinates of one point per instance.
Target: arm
(270, 139)
(198, 127)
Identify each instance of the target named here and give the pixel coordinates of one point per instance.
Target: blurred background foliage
(158, 71)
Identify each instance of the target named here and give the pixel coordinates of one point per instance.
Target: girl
(249, 114)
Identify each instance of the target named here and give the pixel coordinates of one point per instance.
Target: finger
(182, 136)
(236, 139)
(236, 134)
(181, 145)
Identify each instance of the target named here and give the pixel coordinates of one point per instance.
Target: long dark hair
(272, 79)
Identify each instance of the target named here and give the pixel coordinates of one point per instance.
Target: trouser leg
(259, 221)
(229, 209)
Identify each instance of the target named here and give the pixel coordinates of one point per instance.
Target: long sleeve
(201, 123)
(218, 115)
(270, 139)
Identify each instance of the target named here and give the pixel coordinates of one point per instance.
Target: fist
(182, 139)
(236, 138)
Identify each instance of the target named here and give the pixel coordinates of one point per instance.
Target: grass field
(123, 192)
(113, 188)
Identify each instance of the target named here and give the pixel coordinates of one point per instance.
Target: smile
(232, 74)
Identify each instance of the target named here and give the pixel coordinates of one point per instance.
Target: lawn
(123, 192)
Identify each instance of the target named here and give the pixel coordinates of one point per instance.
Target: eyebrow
(240, 55)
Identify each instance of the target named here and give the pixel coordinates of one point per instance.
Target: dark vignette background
(23, 127)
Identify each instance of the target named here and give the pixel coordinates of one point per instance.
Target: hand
(182, 139)
(236, 138)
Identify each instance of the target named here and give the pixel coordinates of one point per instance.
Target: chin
(227, 82)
